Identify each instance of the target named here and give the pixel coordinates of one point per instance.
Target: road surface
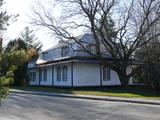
(37, 107)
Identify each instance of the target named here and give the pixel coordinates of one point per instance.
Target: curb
(112, 99)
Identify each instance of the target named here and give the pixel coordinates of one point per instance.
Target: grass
(132, 92)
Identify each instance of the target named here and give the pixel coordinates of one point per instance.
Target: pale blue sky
(23, 8)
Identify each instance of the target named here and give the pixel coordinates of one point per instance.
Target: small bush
(3, 92)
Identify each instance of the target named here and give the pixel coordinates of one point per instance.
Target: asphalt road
(37, 107)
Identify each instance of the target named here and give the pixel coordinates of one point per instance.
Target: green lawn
(132, 92)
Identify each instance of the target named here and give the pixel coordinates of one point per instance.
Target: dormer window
(44, 55)
(65, 51)
(91, 48)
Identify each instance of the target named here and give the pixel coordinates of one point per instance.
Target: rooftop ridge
(63, 43)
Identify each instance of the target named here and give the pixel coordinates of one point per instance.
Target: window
(65, 51)
(106, 74)
(45, 74)
(44, 55)
(91, 48)
(64, 73)
(58, 74)
(33, 76)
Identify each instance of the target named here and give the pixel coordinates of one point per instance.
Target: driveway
(38, 107)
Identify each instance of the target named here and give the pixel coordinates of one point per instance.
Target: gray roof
(63, 43)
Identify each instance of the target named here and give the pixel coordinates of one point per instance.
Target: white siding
(48, 82)
(114, 78)
(85, 74)
(62, 82)
(36, 82)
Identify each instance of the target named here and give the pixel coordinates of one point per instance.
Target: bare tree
(150, 55)
(119, 26)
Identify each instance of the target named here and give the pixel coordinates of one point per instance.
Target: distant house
(63, 66)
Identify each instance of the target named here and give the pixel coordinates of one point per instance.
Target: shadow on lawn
(132, 90)
(136, 90)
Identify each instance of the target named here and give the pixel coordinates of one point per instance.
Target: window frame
(106, 73)
(58, 70)
(64, 73)
(44, 55)
(65, 51)
(32, 76)
(44, 74)
(91, 48)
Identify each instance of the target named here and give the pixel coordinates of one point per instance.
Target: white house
(65, 67)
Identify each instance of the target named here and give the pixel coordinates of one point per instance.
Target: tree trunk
(124, 79)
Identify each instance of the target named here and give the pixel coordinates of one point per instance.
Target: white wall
(114, 78)
(36, 82)
(63, 83)
(86, 74)
(48, 82)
